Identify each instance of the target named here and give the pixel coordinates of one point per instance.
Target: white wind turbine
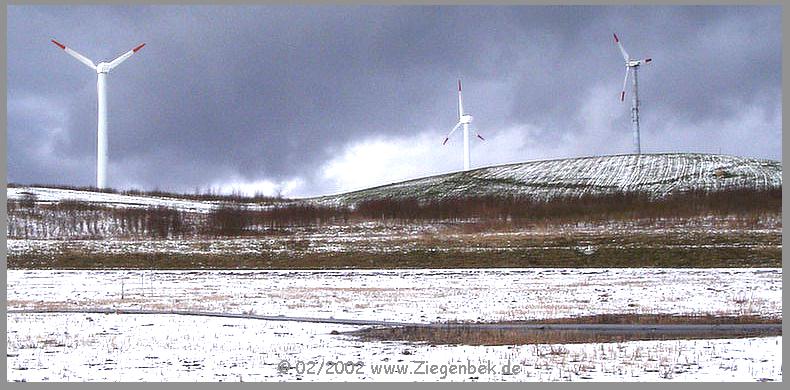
(632, 65)
(463, 119)
(101, 69)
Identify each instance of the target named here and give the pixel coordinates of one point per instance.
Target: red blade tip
(62, 46)
(138, 48)
(615, 38)
(481, 137)
(459, 85)
(648, 60)
(622, 96)
(445, 140)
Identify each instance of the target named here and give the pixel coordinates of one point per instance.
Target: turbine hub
(103, 67)
(466, 119)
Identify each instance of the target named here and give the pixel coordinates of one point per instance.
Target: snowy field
(112, 347)
(411, 295)
(83, 347)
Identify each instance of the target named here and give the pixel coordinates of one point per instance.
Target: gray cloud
(275, 93)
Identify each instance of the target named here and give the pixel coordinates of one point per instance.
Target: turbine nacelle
(465, 119)
(635, 63)
(103, 67)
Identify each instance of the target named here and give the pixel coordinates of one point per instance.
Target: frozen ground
(411, 295)
(82, 347)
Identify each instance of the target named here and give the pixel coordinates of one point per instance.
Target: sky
(311, 100)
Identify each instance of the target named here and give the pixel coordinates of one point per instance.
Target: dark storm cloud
(275, 92)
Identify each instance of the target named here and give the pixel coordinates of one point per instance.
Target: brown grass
(470, 334)
(491, 337)
(657, 319)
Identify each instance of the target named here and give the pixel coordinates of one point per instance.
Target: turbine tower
(101, 88)
(632, 65)
(463, 119)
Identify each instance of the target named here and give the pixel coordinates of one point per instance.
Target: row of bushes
(587, 207)
(519, 210)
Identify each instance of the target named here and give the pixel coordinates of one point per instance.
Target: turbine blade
(451, 132)
(124, 56)
(625, 82)
(460, 101)
(78, 56)
(479, 136)
(620, 46)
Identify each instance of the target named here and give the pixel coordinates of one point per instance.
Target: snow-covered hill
(657, 174)
(55, 195)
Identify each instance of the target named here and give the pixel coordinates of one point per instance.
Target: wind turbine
(102, 68)
(632, 65)
(463, 119)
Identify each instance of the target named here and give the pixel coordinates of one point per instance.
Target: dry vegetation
(492, 334)
(657, 319)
